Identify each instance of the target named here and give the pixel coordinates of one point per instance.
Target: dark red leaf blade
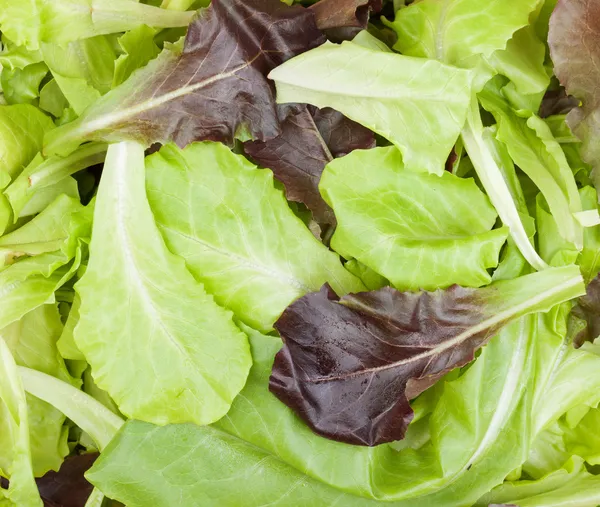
(344, 13)
(574, 40)
(214, 89)
(310, 139)
(588, 310)
(349, 366)
(68, 487)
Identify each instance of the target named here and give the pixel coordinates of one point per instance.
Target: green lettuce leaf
(457, 32)
(43, 178)
(83, 69)
(534, 149)
(31, 282)
(88, 414)
(419, 105)
(23, 491)
(237, 234)
(190, 359)
(22, 129)
(418, 230)
(48, 231)
(572, 485)
(480, 432)
(52, 99)
(22, 86)
(32, 22)
(32, 341)
(138, 49)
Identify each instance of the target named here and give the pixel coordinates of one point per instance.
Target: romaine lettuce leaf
(237, 234)
(572, 485)
(190, 359)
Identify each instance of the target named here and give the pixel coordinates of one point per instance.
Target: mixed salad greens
(334, 253)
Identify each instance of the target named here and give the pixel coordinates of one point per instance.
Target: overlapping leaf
(350, 365)
(175, 355)
(237, 233)
(214, 88)
(574, 46)
(419, 105)
(309, 140)
(405, 225)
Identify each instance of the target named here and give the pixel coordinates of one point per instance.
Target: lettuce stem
(90, 415)
(496, 188)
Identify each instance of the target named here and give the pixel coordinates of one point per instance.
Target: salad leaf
(22, 86)
(522, 61)
(52, 99)
(279, 259)
(458, 31)
(33, 22)
(90, 415)
(310, 139)
(573, 45)
(82, 69)
(22, 129)
(47, 232)
(571, 485)
(199, 359)
(219, 75)
(396, 220)
(396, 345)
(534, 149)
(47, 176)
(32, 342)
(68, 487)
(351, 13)
(22, 490)
(138, 49)
(32, 281)
(419, 105)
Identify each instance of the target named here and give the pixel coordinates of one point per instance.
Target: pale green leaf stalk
(23, 490)
(495, 186)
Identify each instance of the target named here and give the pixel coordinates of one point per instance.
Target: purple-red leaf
(344, 13)
(310, 139)
(350, 365)
(215, 89)
(574, 40)
(588, 309)
(67, 487)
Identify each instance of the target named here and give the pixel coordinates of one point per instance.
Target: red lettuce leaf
(574, 40)
(214, 89)
(350, 365)
(310, 139)
(588, 310)
(344, 13)
(67, 487)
